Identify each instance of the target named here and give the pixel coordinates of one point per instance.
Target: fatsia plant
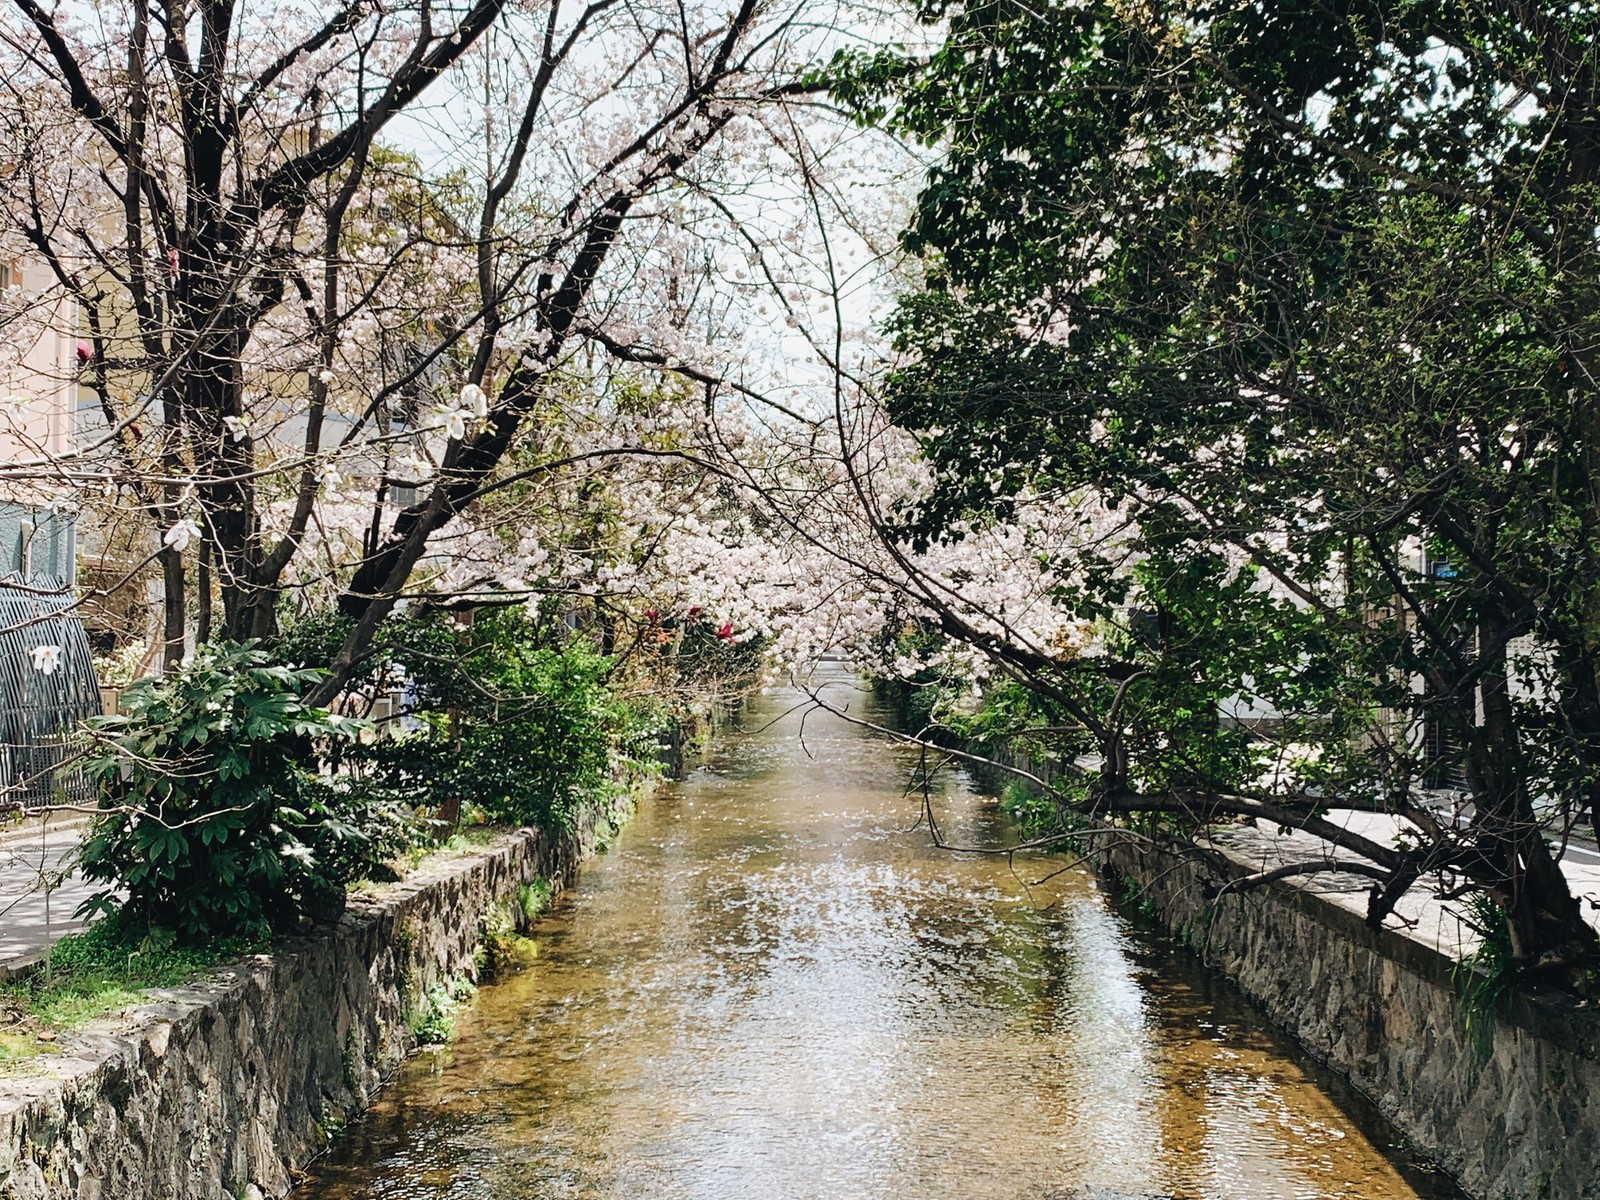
(214, 819)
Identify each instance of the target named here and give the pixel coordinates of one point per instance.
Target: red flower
(651, 615)
(725, 631)
(694, 610)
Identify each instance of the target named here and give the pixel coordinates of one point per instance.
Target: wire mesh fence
(47, 687)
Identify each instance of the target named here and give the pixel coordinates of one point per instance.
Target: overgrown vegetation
(533, 898)
(101, 970)
(1007, 723)
(218, 818)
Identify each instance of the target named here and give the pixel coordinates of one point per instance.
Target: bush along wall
(505, 719)
(230, 807)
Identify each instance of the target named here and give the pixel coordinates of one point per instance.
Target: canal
(773, 987)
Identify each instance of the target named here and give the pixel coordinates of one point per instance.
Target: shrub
(1489, 977)
(214, 818)
(540, 750)
(509, 717)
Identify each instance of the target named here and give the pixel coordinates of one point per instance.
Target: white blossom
(474, 400)
(180, 534)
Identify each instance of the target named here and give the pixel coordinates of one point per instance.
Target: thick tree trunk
(1549, 935)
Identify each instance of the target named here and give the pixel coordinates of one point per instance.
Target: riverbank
(1507, 1103)
(230, 1085)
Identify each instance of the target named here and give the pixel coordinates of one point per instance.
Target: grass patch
(17, 1048)
(1489, 978)
(104, 969)
(468, 838)
(472, 837)
(533, 898)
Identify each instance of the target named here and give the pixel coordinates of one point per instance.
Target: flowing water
(774, 988)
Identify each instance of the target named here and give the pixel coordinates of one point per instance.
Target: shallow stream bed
(774, 987)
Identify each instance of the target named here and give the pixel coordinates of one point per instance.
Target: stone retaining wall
(225, 1088)
(1514, 1115)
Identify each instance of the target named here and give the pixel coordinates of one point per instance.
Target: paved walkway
(32, 914)
(1419, 914)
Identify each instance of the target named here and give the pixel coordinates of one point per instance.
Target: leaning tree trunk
(1549, 935)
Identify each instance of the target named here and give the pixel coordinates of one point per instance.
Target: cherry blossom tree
(313, 353)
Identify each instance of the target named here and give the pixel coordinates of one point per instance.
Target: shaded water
(774, 988)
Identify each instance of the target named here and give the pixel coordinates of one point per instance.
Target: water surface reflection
(773, 988)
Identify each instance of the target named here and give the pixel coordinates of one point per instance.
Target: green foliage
(105, 968)
(1300, 295)
(17, 1049)
(214, 818)
(539, 754)
(532, 899)
(1490, 976)
(434, 1021)
(1037, 815)
(506, 715)
(1135, 899)
(501, 946)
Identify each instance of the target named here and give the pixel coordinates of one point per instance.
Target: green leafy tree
(1308, 293)
(533, 727)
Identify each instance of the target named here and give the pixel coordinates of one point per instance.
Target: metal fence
(47, 687)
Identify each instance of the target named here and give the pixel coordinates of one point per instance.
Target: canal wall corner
(1511, 1111)
(229, 1086)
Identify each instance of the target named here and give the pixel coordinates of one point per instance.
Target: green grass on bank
(104, 969)
(99, 971)
(17, 1048)
(464, 840)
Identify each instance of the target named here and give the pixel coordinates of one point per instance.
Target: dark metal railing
(45, 693)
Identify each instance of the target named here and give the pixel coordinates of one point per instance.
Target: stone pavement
(32, 916)
(1420, 914)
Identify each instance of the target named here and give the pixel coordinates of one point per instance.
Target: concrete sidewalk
(39, 892)
(1419, 915)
